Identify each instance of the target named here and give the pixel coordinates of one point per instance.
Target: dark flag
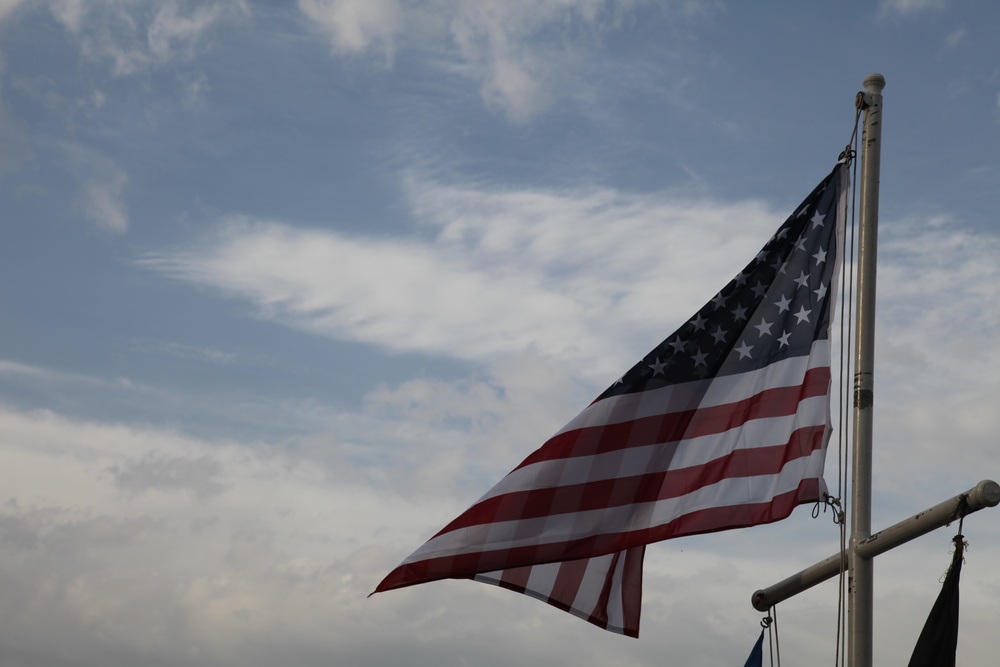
(756, 658)
(939, 638)
(723, 425)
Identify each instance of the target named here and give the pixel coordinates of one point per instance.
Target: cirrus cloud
(518, 52)
(487, 273)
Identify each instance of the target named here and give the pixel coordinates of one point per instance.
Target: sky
(284, 287)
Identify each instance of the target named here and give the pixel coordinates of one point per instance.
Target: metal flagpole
(863, 545)
(859, 609)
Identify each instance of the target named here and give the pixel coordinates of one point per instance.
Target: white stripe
(702, 393)
(542, 581)
(613, 520)
(659, 457)
(588, 594)
(616, 612)
(542, 578)
(551, 473)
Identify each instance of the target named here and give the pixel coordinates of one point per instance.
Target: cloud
(7, 7)
(134, 38)
(426, 438)
(934, 349)
(210, 355)
(495, 43)
(69, 13)
(155, 471)
(102, 197)
(172, 34)
(202, 411)
(354, 27)
(123, 580)
(587, 281)
(912, 7)
(519, 53)
(268, 547)
(278, 561)
(277, 557)
(587, 277)
(15, 148)
(955, 37)
(421, 437)
(194, 91)
(583, 283)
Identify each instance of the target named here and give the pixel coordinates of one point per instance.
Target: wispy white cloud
(589, 281)
(194, 91)
(199, 410)
(354, 27)
(102, 197)
(955, 37)
(494, 40)
(7, 7)
(421, 438)
(133, 37)
(517, 52)
(14, 148)
(101, 186)
(211, 355)
(28, 372)
(584, 276)
(911, 7)
(69, 13)
(172, 34)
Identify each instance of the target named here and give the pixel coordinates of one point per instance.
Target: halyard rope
(846, 337)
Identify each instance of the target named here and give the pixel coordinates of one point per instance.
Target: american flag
(723, 425)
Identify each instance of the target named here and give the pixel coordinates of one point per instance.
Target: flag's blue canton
(774, 308)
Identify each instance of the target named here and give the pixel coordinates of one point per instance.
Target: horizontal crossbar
(983, 495)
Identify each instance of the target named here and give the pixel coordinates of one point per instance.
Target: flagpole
(864, 546)
(860, 596)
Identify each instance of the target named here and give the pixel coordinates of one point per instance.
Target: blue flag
(756, 658)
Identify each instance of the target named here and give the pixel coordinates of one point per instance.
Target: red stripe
(682, 425)
(694, 523)
(567, 583)
(599, 615)
(632, 590)
(570, 578)
(645, 488)
(516, 578)
(629, 589)
(563, 591)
